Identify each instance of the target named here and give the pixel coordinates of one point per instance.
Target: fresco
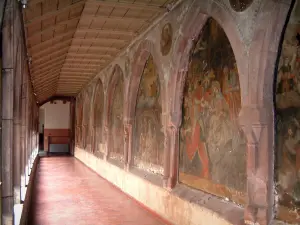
(288, 116)
(148, 146)
(79, 122)
(98, 148)
(117, 130)
(240, 5)
(212, 145)
(86, 137)
(166, 39)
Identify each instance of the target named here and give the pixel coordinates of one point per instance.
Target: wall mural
(148, 146)
(166, 39)
(117, 128)
(86, 137)
(79, 115)
(212, 144)
(98, 120)
(288, 117)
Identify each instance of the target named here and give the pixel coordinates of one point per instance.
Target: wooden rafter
(53, 13)
(89, 55)
(99, 40)
(86, 60)
(99, 48)
(108, 31)
(53, 48)
(139, 6)
(47, 73)
(52, 28)
(55, 38)
(39, 65)
(124, 19)
(61, 51)
(47, 66)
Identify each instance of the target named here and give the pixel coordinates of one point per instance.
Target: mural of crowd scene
(98, 120)
(149, 136)
(212, 144)
(86, 120)
(117, 128)
(78, 135)
(288, 118)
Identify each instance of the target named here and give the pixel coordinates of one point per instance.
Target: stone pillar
(257, 125)
(17, 129)
(8, 33)
(107, 134)
(128, 123)
(72, 126)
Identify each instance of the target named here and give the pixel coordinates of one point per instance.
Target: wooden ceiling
(70, 41)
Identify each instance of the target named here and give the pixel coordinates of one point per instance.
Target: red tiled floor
(67, 192)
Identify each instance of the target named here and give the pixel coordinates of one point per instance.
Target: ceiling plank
(52, 28)
(55, 38)
(62, 51)
(47, 73)
(38, 65)
(91, 55)
(108, 31)
(99, 61)
(139, 6)
(58, 45)
(51, 64)
(100, 48)
(53, 13)
(46, 68)
(124, 19)
(100, 40)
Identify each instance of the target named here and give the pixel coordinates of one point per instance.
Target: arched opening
(212, 144)
(287, 109)
(116, 151)
(86, 139)
(148, 144)
(98, 120)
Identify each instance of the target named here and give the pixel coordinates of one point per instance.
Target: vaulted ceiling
(70, 41)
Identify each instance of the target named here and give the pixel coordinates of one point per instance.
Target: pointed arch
(97, 119)
(114, 115)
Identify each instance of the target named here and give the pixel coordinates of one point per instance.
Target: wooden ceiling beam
(47, 68)
(76, 73)
(51, 64)
(124, 19)
(108, 31)
(52, 28)
(53, 79)
(62, 51)
(55, 38)
(96, 61)
(90, 55)
(100, 48)
(54, 47)
(99, 40)
(53, 13)
(39, 65)
(44, 74)
(46, 85)
(139, 6)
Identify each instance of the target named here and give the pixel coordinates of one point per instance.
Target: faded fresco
(212, 144)
(98, 148)
(288, 116)
(148, 146)
(117, 130)
(79, 114)
(86, 137)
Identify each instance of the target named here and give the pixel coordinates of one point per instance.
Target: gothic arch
(145, 49)
(97, 117)
(114, 115)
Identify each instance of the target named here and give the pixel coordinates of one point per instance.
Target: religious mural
(212, 144)
(86, 137)
(98, 148)
(166, 39)
(117, 130)
(288, 117)
(148, 146)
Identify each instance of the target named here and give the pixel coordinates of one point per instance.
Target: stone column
(8, 33)
(257, 125)
(72, 126)
(128, 123)
(17, 128)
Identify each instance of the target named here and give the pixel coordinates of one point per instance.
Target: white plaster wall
(57, 116)
(161, 201)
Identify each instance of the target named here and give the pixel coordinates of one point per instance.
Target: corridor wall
(185, 114)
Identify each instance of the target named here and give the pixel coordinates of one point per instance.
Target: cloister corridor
(182, 112)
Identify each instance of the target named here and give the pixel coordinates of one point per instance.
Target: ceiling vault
(70, 41)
